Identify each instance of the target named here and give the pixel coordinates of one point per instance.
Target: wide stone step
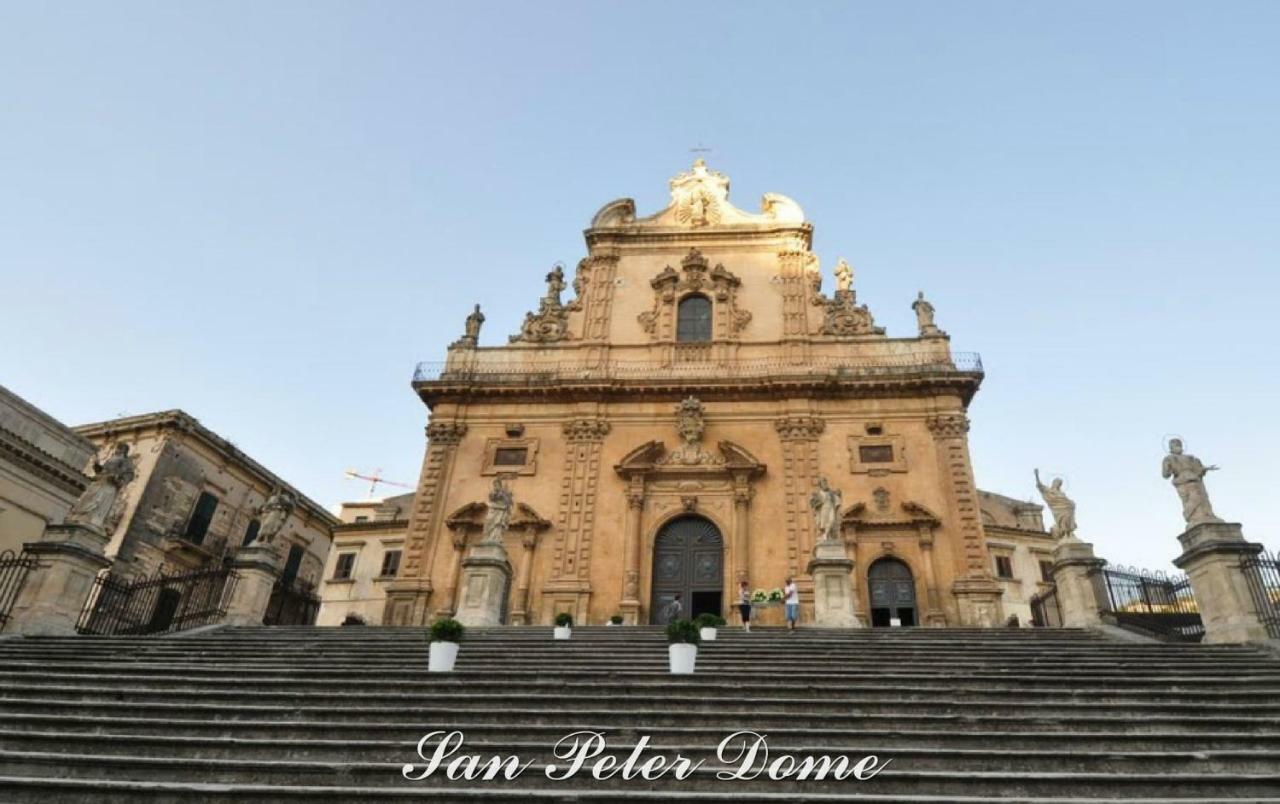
(691, 700)
(955, 760)
(890, 781)
(550, 731)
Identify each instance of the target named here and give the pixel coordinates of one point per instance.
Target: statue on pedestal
(924, 316)
(844, 276)
(498, 517)
(1187, 474)
(110, 477)
(555, 285)
(471, 334)
(274, 513)
(826, 502)
(1062, 507)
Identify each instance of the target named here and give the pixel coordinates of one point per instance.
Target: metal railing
(159, 604)
(537, 371)
(1263, 574)
(13, 574)
(292, 603)
(1044, 609)
(1153, 602)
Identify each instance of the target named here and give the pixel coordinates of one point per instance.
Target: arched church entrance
(688, 559)
(893, 593)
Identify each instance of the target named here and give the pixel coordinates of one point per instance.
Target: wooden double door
(688, 560)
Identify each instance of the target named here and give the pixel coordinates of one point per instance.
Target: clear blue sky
(265, 213)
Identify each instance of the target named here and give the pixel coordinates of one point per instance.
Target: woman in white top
(791, 596)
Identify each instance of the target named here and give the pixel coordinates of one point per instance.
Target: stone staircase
(311, 714)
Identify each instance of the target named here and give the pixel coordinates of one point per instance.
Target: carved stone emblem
(699, 195)
(690, 426)
(551, 322)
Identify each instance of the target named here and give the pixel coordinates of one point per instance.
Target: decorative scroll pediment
(909, 514)
(653, 458)
(471, 516)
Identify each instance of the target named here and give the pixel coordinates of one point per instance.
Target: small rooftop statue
(924, 316)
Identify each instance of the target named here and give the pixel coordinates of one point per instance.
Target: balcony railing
(534, 371)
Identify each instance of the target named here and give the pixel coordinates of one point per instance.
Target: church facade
(663, 419)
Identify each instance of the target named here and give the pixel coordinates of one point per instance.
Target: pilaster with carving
(799, 435)
(630, 604)
(575, 522)
(407, 597)
(798, 281)
(977, 593)
(599, 272)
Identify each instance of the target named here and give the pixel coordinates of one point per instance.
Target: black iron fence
(1263, 574)
(159, 604)
(292, 603)
(1044, 609)
(13, 574)
(1150, 601)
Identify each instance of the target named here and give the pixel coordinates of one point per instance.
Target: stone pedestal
(257, 567)
(50, 601)
(833, 604)
(486, 577)
(1211, 556)
(1074, 568)
(407, 601)
(978, 601)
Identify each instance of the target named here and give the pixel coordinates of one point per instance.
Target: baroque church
(662, 420)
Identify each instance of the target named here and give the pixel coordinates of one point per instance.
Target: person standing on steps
(791, 597)
(672, 611)
(744, 605)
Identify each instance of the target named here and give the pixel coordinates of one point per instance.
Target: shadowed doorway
(893, 593)
(688, 558)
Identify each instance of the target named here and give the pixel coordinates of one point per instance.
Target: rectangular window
(362, 519)
(251, 532)
(201, 518)
(390, 564)
(1046, 571)
(345, 565)
(1004, 567)
(510, 456)
(876, 453)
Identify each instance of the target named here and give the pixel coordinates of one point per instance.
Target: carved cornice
(584, 429)
(799, 428)
(446, 432)
(948, 425)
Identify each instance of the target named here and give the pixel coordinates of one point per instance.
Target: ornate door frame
(688, 557)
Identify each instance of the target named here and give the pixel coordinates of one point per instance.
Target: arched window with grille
(693, 319)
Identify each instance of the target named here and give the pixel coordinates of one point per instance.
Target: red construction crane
(374, 479)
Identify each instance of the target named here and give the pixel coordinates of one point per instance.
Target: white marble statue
(273, 514)
(109, 478)
(826, 502)
(498, 516)
(1187, 474)
(924, 315)
(1062, 507)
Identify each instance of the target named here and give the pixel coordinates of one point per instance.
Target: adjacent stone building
(1021, 551)
(196, 498)
(42, 463)
(663, 417)
(367, 551)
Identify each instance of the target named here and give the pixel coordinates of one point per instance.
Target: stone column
(933, 615)
(257, 568)
(1211, 556)
(741, 531)
(520, 610)
(833, 605)
(69, 558)
(629, 607)
(1074, 569)
(486, 579)
(449, 604)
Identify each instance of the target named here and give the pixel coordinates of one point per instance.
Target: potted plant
(759, 596)
(775, 595)
(707, 625)
(564, 625)
(682, 647)
(446, 635)
(615, 619)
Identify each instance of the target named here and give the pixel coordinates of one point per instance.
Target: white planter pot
(683, 656)
(563, 632)
(708, 634)
(612, 623)
(441, 656)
